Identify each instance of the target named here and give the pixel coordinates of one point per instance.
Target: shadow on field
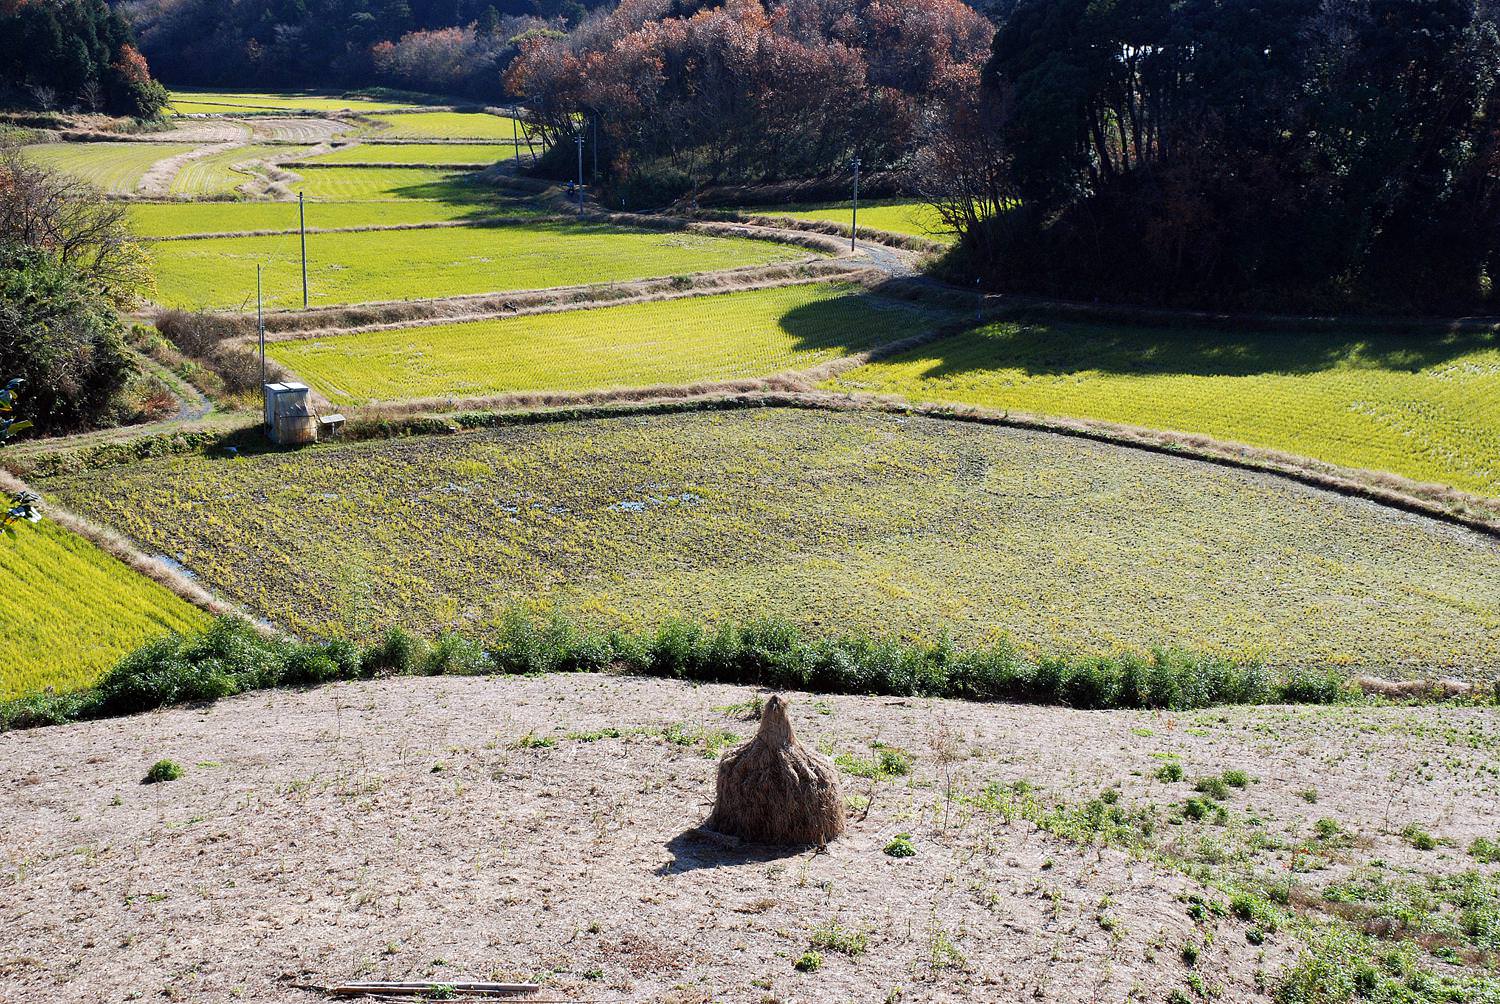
(696, 848)
(1058, 349)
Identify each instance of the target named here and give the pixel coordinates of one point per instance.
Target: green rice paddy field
(916, 219)
(365, 184)
(189, 101)
(116, 168)
(175, 219)
(444, 125)
(460, 154)
(70, 611)
(839, 521)
(219, 272)
(695, 339)
(1424, 407)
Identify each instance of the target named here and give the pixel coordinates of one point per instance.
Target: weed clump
(162, 771)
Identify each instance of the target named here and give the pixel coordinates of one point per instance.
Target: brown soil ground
(405, 829)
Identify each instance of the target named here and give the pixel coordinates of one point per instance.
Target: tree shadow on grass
(696, 848)
(1061, 348)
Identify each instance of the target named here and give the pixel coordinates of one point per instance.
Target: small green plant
(1198, 808)
(808, 962)
(901, 846)
(1236, 778)
(1486, 850)
(1328, 829)
(1308, 795)
(945, 954)
(1170, 772)
(532, 741)
(1213, 787)
(163, 770)
(1419, 838)
(1178, 997)
(1190, 952)
(834, 937)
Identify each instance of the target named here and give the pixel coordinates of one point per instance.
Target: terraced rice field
(458, 154)
(916, 219)
(116, 168)
(219, 272)
(70, 611)
(696, 339)
(215, 173)
(838, 521)
(444, 125)
(151, 219)
(1424, 407)
(365, 184)
(187, 102)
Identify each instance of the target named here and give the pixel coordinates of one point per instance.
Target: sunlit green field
(189, 101)
(116, 168)
(364, 184)
(68, 611)
(219, 272)
(1422, 406)
(215, 174)
(459, 154)
(916, 219)
(712, 338)
(151, 219)
(841, 522)
(444, 125)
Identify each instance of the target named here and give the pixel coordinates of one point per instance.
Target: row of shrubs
(232, 657)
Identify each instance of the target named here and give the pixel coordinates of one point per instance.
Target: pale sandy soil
(398, 829)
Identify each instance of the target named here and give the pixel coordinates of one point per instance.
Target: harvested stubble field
(151, 219)
(70, 611)
(461, 154)
(219, 272)
(915, 219)
(1426, 408)
(116, 168)
(837, 521)
(543, 828)
(728, 336)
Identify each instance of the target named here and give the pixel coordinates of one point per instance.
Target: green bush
(161, 771)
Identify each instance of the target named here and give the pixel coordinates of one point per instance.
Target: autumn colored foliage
(684, 94)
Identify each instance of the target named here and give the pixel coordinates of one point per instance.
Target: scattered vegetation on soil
(853, 522)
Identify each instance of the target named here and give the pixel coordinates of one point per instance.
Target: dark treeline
(690, 93)
(1291, 154)
(73, 55)
(457, 47)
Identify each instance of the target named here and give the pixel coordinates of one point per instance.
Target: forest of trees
(73, 54)
(1295, 154)
(452, 47)
(683, 93)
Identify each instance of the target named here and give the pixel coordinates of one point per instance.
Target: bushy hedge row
(233, 658)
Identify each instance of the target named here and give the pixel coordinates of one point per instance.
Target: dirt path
(157, 182)
(543, 828)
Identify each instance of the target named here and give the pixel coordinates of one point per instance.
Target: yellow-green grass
(1419, 405)
(445, 125)
(457, 154)
(365, 184)
(219, 272)
(837, 521)
(215, 174)
(189, 101)
(68, 611)
(916, 219)
(116, 168)
(712, 338)
(173, 219)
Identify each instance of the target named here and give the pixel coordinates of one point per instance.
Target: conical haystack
(773, 790)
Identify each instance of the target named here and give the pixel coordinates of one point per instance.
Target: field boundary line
(126, 551)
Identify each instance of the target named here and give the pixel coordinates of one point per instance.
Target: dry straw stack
(773, 790)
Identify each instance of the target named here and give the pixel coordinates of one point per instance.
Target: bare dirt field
(544, 828)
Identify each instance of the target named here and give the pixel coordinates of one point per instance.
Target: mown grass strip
(116, 168)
